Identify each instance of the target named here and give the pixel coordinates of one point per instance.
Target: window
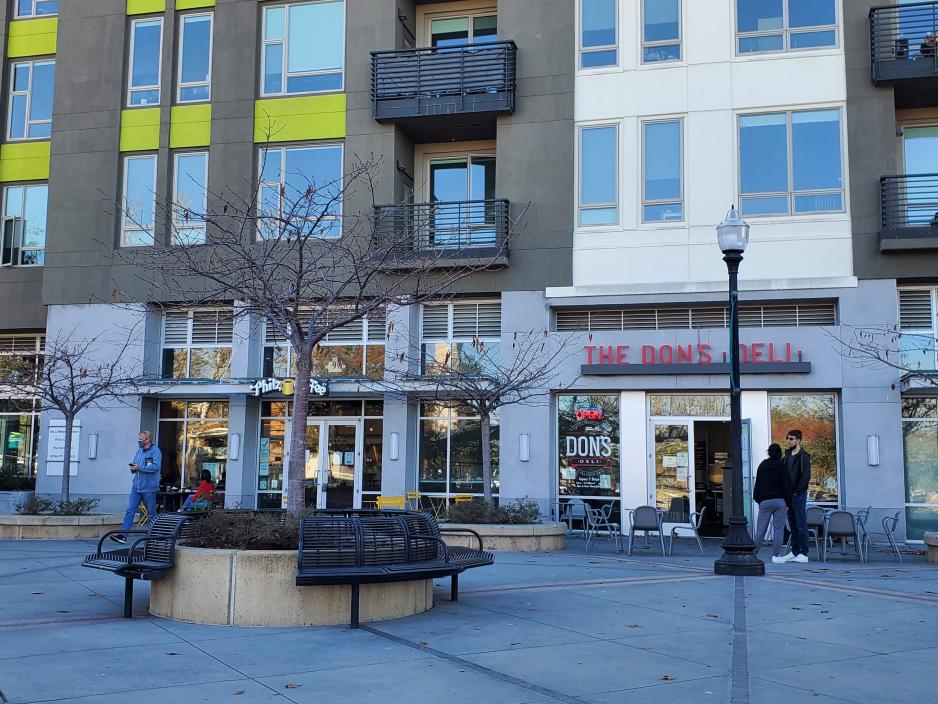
(19, 418)
(36, 8)
(193, 437)
(189, 203)
(353, 350)
(146, 38)
(464, 336)
(588, 445)
(24, 225)
(451, 450)
(920, 445)
(298, 185)
(139, 210)
(195, 58)
(599, 175)
(456, 222)
(197, 344)
(661, 31)
(917, 327)
(598, 40)
(816, 416)
(458, 31)
(780, 25)
(791, 163)
(663, 180)
(303, 48)
(32, 86)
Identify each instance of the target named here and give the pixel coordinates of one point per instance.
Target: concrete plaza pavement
(533, 629)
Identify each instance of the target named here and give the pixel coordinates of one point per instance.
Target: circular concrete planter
(931, 542)
(538, 537)
(258, 588)
(57, 527)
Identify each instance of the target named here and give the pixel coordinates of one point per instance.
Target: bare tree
(887, 347)
(291, 256)
(489, 379)
(71, 374)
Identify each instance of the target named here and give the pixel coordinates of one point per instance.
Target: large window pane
(921, 461)
(811, 13)
(434, 442)
(599, 175)
(139, 200)
(661, 31)
(759, 15)
(189, 202)
(763, 153)
(588, 434)
(816, 158)
(146, 38)
(662, 172)
(286, 191)
(303, 47)
(373, 447)
(195, 58)
(815, 416)
(598, 29)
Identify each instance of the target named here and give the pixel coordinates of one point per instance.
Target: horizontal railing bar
(447, 49)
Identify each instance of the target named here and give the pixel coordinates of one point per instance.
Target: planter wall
(931, 543)
(258, 588)
(57, 527)
(540, 537)
(9, 500)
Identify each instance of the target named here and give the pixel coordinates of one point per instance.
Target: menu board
(588, 432)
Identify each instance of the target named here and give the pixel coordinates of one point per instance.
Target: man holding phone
(145, 470)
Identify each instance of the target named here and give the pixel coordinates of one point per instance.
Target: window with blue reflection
(599, 186)
(663, 198)
(303, 47)
(817, 160)
(28, 202)
(189, 201)
(598, 33)
(139, 200)
(778, 25)
(36, 8)
(661, 32)
(145, 43)
(300, 185)
(195, 59)
(31, 92)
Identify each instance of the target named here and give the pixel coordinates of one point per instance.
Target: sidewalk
(564, 627)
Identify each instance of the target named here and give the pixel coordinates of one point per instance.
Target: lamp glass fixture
(733, 233)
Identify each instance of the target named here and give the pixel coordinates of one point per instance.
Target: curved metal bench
(358, 547)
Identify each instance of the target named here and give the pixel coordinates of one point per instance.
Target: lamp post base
(739, 553)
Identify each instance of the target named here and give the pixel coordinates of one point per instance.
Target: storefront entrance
(334, 463)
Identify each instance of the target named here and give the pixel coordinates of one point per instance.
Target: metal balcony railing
(445, 230)
(443, 80)
(910, 206)
(903, 41)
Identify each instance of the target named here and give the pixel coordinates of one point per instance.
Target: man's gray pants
(777, 511)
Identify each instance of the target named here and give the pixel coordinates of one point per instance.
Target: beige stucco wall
(57, 527)
(540, 537)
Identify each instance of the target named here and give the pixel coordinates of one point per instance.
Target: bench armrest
(439, 541)
(117, 532)
(465, 531)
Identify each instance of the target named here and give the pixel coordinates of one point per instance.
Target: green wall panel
(190, 4)
(32, 37)
(300, 118)
(140, 7)
(140, 129)
(24, 161)
(190, 126)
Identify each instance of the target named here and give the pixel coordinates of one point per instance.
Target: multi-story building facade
(621, 129)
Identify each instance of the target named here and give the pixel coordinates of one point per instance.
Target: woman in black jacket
(773, 494)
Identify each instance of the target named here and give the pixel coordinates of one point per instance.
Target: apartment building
(622, 129)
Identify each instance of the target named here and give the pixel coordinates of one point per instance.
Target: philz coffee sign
(262, 387)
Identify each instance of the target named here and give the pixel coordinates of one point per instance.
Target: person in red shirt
(202, 498)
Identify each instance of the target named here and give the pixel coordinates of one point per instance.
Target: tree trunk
(296, 471)
(67, 460)
(487, 458)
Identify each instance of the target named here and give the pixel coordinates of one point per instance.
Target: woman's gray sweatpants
(777, 511)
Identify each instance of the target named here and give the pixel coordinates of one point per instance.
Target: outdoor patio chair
(890, 524)
(572, 512)
(815, 523)
(412, 500)
(390, 502)
(596, 523)
(693, 526)
(841, 525)
(646, 519)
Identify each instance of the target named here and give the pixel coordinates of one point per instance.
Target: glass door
(458, 31)
(461, 190)
(313, 454)
(920, 157)
(673, 471)
(341, 466)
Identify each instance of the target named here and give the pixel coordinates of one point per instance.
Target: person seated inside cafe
(202, 498)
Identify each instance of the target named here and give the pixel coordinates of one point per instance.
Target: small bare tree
(71, 374)
(886, 347)
(489, 379)
(293, 257)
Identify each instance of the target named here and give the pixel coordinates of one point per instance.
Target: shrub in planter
(74, 507)
(244, 531)
(520, 511)
(34, 505)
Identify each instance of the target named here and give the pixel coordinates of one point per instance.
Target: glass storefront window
(19, 442)
(588, 431)
(815, 415)
(920, 441)
(193, 436)
(374, 443)
(693, 405)
(451, 450)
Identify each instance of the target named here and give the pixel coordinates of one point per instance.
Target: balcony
(910, 212)
(446, 233)
(445, 93)
(903, 52)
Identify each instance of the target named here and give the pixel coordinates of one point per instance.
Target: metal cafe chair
(841, 525)
(598, 522)
(412, 500)
(815, 523)
(390, 502)
(573, 511)
(463, 498)
(694, 526)
(646, 519)
(890, 524)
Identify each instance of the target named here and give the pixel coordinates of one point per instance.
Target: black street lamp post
(739, 550)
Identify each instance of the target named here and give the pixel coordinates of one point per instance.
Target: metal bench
(358, 547)
(149, 554)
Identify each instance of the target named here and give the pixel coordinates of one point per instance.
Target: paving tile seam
(481, 669)
(633, 644)
(882, 593)
(866, 653)
(548, 586)
(663, 685)
(811, 692)
(149, 689)
(645, 607)
(739, 679)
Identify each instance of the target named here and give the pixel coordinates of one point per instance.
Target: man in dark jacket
(798, 463)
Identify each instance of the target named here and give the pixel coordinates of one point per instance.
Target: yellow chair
(390, 502)
(413, 500)
(463, 498)
(144, 519)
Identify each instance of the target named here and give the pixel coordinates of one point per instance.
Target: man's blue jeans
(798, 522)
(148, 499)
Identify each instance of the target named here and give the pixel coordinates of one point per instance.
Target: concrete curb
(42, 527)
(537, 537)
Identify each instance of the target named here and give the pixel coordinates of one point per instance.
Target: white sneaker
(779, 560)
(800, 558)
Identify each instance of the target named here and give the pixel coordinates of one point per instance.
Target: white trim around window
(144, 94)
(593, 55)
(138, 219)
(786, 38)
(189, 217)
(37, 8)
(194, 91)
(21, 123)
(668, 50)
(663, 206)
(600, 209)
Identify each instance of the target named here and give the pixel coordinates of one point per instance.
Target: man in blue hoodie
(146, 473)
